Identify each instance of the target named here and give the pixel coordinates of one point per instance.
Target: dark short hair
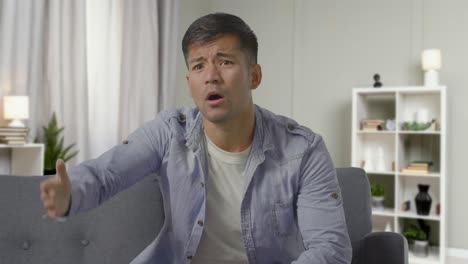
(213, 25)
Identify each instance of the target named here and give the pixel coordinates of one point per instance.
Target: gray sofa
(122, 227)
(116, 232)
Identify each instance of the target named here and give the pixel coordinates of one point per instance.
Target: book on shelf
(408, 170)
(372, 124)
(14, 129)
(370, 129)
(13, 142)
(12, 137)
(421, 163)
(417, 167)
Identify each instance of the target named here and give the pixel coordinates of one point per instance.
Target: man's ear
(188, 84)
(256, 76)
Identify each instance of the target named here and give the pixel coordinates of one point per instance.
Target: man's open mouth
(214, 97)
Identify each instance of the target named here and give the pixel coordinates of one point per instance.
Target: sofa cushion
(115, 232)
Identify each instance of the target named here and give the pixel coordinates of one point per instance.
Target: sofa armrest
(384, 248)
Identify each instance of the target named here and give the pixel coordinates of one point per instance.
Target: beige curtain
(104, 67)
(149, 49)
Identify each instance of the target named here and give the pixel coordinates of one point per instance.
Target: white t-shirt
(221, 241)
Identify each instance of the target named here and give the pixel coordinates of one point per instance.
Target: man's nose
(212, 74)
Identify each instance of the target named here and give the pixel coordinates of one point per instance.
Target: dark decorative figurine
(377, 82)
(406, 206)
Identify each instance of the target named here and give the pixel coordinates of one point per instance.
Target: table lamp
(431, 62)
(16, 108)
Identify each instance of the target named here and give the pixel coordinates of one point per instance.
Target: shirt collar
(262, 140)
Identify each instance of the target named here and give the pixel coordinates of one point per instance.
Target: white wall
(313, 52)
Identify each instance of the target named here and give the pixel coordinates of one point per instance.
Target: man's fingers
(48, 192)
(61, 171)
(51, 193)
(44, 186)
(48, 185)
(51, 213)
(49, 205)
(44, 196)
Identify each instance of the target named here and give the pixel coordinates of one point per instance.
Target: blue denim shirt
(291, 210)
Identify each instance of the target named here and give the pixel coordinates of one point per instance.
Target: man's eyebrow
(224, 54)
(201, 58)
(218, 54)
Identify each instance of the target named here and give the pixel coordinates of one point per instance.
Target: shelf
(433, 257)
(383, 212)
(391, 173)
(384, 152)
(400, 89)
(429, 175)
(414, 215)
(27, 145)
(385, 132)
(411, 132)
(22, 160)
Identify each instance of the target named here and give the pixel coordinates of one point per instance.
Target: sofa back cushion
(115, 232)
(355, 190)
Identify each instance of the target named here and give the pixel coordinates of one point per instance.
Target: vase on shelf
(421, 248)
(423, 200)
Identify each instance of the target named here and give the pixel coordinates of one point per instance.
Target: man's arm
(320, 210)
(94, 181)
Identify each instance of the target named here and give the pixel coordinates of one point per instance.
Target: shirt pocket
(283, 218)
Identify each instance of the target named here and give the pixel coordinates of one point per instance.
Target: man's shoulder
(288, 136)
(281, 126)
(175, 120)
(182, 114)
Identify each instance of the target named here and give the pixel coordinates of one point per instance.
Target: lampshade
(16, 108)
(431, 59)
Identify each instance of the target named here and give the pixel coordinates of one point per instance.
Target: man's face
(220, 79)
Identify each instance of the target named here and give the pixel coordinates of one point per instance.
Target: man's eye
(226, 62)
(197, 67)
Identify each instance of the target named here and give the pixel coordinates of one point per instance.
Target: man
(240, 184)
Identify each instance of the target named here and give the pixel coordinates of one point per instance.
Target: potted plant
(377, 193)
(420, 240)
(54, 148)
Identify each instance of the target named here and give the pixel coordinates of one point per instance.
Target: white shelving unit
(22, 160)
(400, 147)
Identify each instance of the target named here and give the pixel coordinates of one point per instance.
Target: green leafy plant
(415, 233)
(377, 190)
(417, 126)
(54, 148)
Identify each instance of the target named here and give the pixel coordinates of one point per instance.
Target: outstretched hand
(56, 192)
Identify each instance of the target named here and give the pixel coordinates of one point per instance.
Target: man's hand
(55, 192)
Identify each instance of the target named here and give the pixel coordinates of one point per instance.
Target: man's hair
(211, 26)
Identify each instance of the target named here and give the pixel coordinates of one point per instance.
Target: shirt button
(290, 126)
(200, 222)
(84, 242)
(189, 257)
(25, 245)
(125, 142)
(202, 184)
(334, 195)
(182, 118)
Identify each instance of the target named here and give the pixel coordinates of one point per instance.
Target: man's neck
(233, 136)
